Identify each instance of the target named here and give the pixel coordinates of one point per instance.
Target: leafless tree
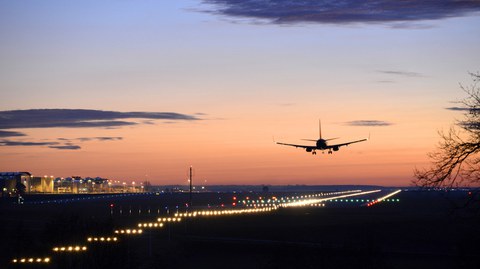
(456, 161)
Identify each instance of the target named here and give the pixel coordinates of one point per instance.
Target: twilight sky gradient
(144, 89)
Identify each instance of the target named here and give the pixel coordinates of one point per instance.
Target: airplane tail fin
(319, 129)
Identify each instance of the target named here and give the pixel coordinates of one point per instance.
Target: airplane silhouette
(321, 144)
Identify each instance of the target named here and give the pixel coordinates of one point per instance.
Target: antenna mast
(190, 181)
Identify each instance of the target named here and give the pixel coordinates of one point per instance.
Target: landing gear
(330, 152)
(314, 153)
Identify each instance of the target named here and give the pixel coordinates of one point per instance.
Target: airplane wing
(297, 146)
(346, 144)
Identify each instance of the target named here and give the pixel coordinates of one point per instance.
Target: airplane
(321, 144)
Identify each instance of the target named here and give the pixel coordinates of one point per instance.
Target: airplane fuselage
(321, 144)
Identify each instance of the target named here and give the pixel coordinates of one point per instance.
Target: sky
(141, 90)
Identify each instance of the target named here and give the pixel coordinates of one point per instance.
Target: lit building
(13, 183)
(40, 185)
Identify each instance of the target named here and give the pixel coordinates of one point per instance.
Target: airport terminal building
(14, 183)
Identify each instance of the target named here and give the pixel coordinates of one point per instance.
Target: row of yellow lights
(129, 231)
(150, 225)
(70, 249)
(185, 215)
(169, 219)
(295, 199)
(323, 194)
(315, 201)
(102, 239)
(225, 212)
(263, 204)
(65, 249)
(31, 260)
(281, 204)
(275, 199)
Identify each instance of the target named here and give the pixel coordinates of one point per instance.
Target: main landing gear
(315, 153)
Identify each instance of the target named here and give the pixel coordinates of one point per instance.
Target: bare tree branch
(456, 160)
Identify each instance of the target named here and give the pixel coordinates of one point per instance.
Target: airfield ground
(422, 230)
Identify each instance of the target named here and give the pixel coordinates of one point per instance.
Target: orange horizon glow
(224, 154)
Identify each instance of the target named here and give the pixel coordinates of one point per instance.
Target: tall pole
(190, 200)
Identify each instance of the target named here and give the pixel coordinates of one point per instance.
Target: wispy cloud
(401, 73)
(60, 143)
(342, 12)
(373, 123)
(53, 145)
(26, 143)
(79, 118)
(66, 147)
(10, 134)
(101, 138)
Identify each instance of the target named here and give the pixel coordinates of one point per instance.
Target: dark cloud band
(10, 134)
(26, 143)
(101, 138)
(78, 118)
(67, 147)
(74, 118)
(343, 11)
